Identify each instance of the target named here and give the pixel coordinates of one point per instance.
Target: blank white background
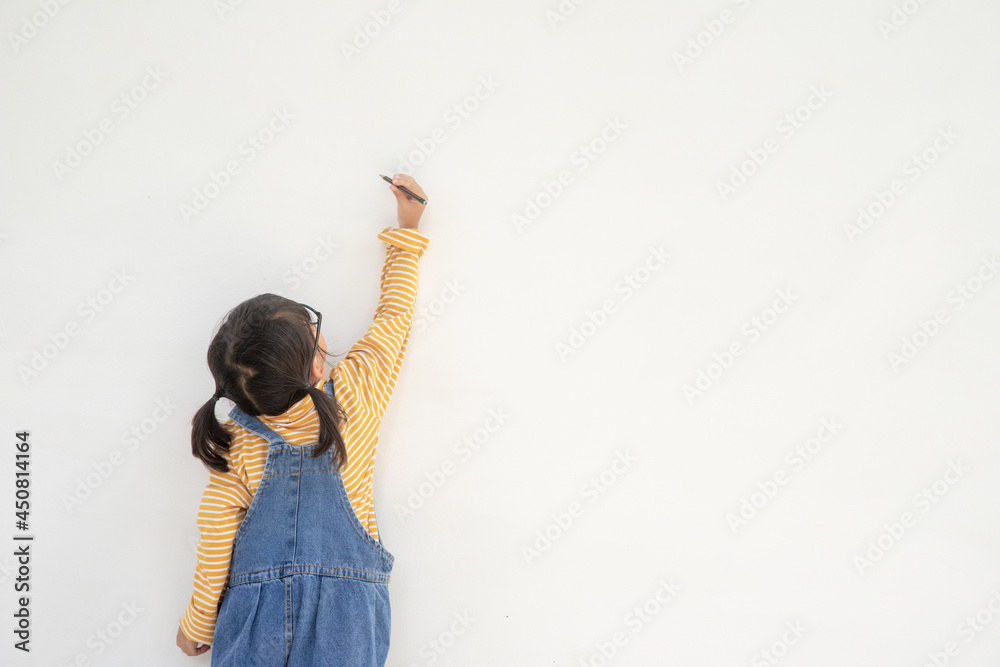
(684, 129)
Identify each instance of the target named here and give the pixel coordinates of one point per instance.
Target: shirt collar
(299, 412)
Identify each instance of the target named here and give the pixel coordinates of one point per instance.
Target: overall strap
(256, 425)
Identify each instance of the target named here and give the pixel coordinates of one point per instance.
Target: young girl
(291, 570)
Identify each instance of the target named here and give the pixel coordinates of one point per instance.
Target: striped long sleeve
(363, 382)
(370, 370)
(223, 505)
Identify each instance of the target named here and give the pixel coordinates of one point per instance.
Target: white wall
(857, 291)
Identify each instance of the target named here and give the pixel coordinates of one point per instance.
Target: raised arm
(371, 367)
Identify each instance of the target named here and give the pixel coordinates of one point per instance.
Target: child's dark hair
(259, 359)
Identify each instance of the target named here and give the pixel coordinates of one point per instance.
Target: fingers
(192, 651)
(188, 646)
(407, 182)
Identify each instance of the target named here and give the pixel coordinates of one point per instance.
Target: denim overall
(308, 584)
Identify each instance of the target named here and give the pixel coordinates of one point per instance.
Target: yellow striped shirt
(363, 382)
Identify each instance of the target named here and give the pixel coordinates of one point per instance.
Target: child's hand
(189, 646)
(408, 209)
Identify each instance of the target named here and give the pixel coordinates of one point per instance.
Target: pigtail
(331, 416)
(208, 437)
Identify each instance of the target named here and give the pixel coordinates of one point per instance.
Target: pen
(412, 194)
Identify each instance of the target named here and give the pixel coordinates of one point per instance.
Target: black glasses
(318, 322)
